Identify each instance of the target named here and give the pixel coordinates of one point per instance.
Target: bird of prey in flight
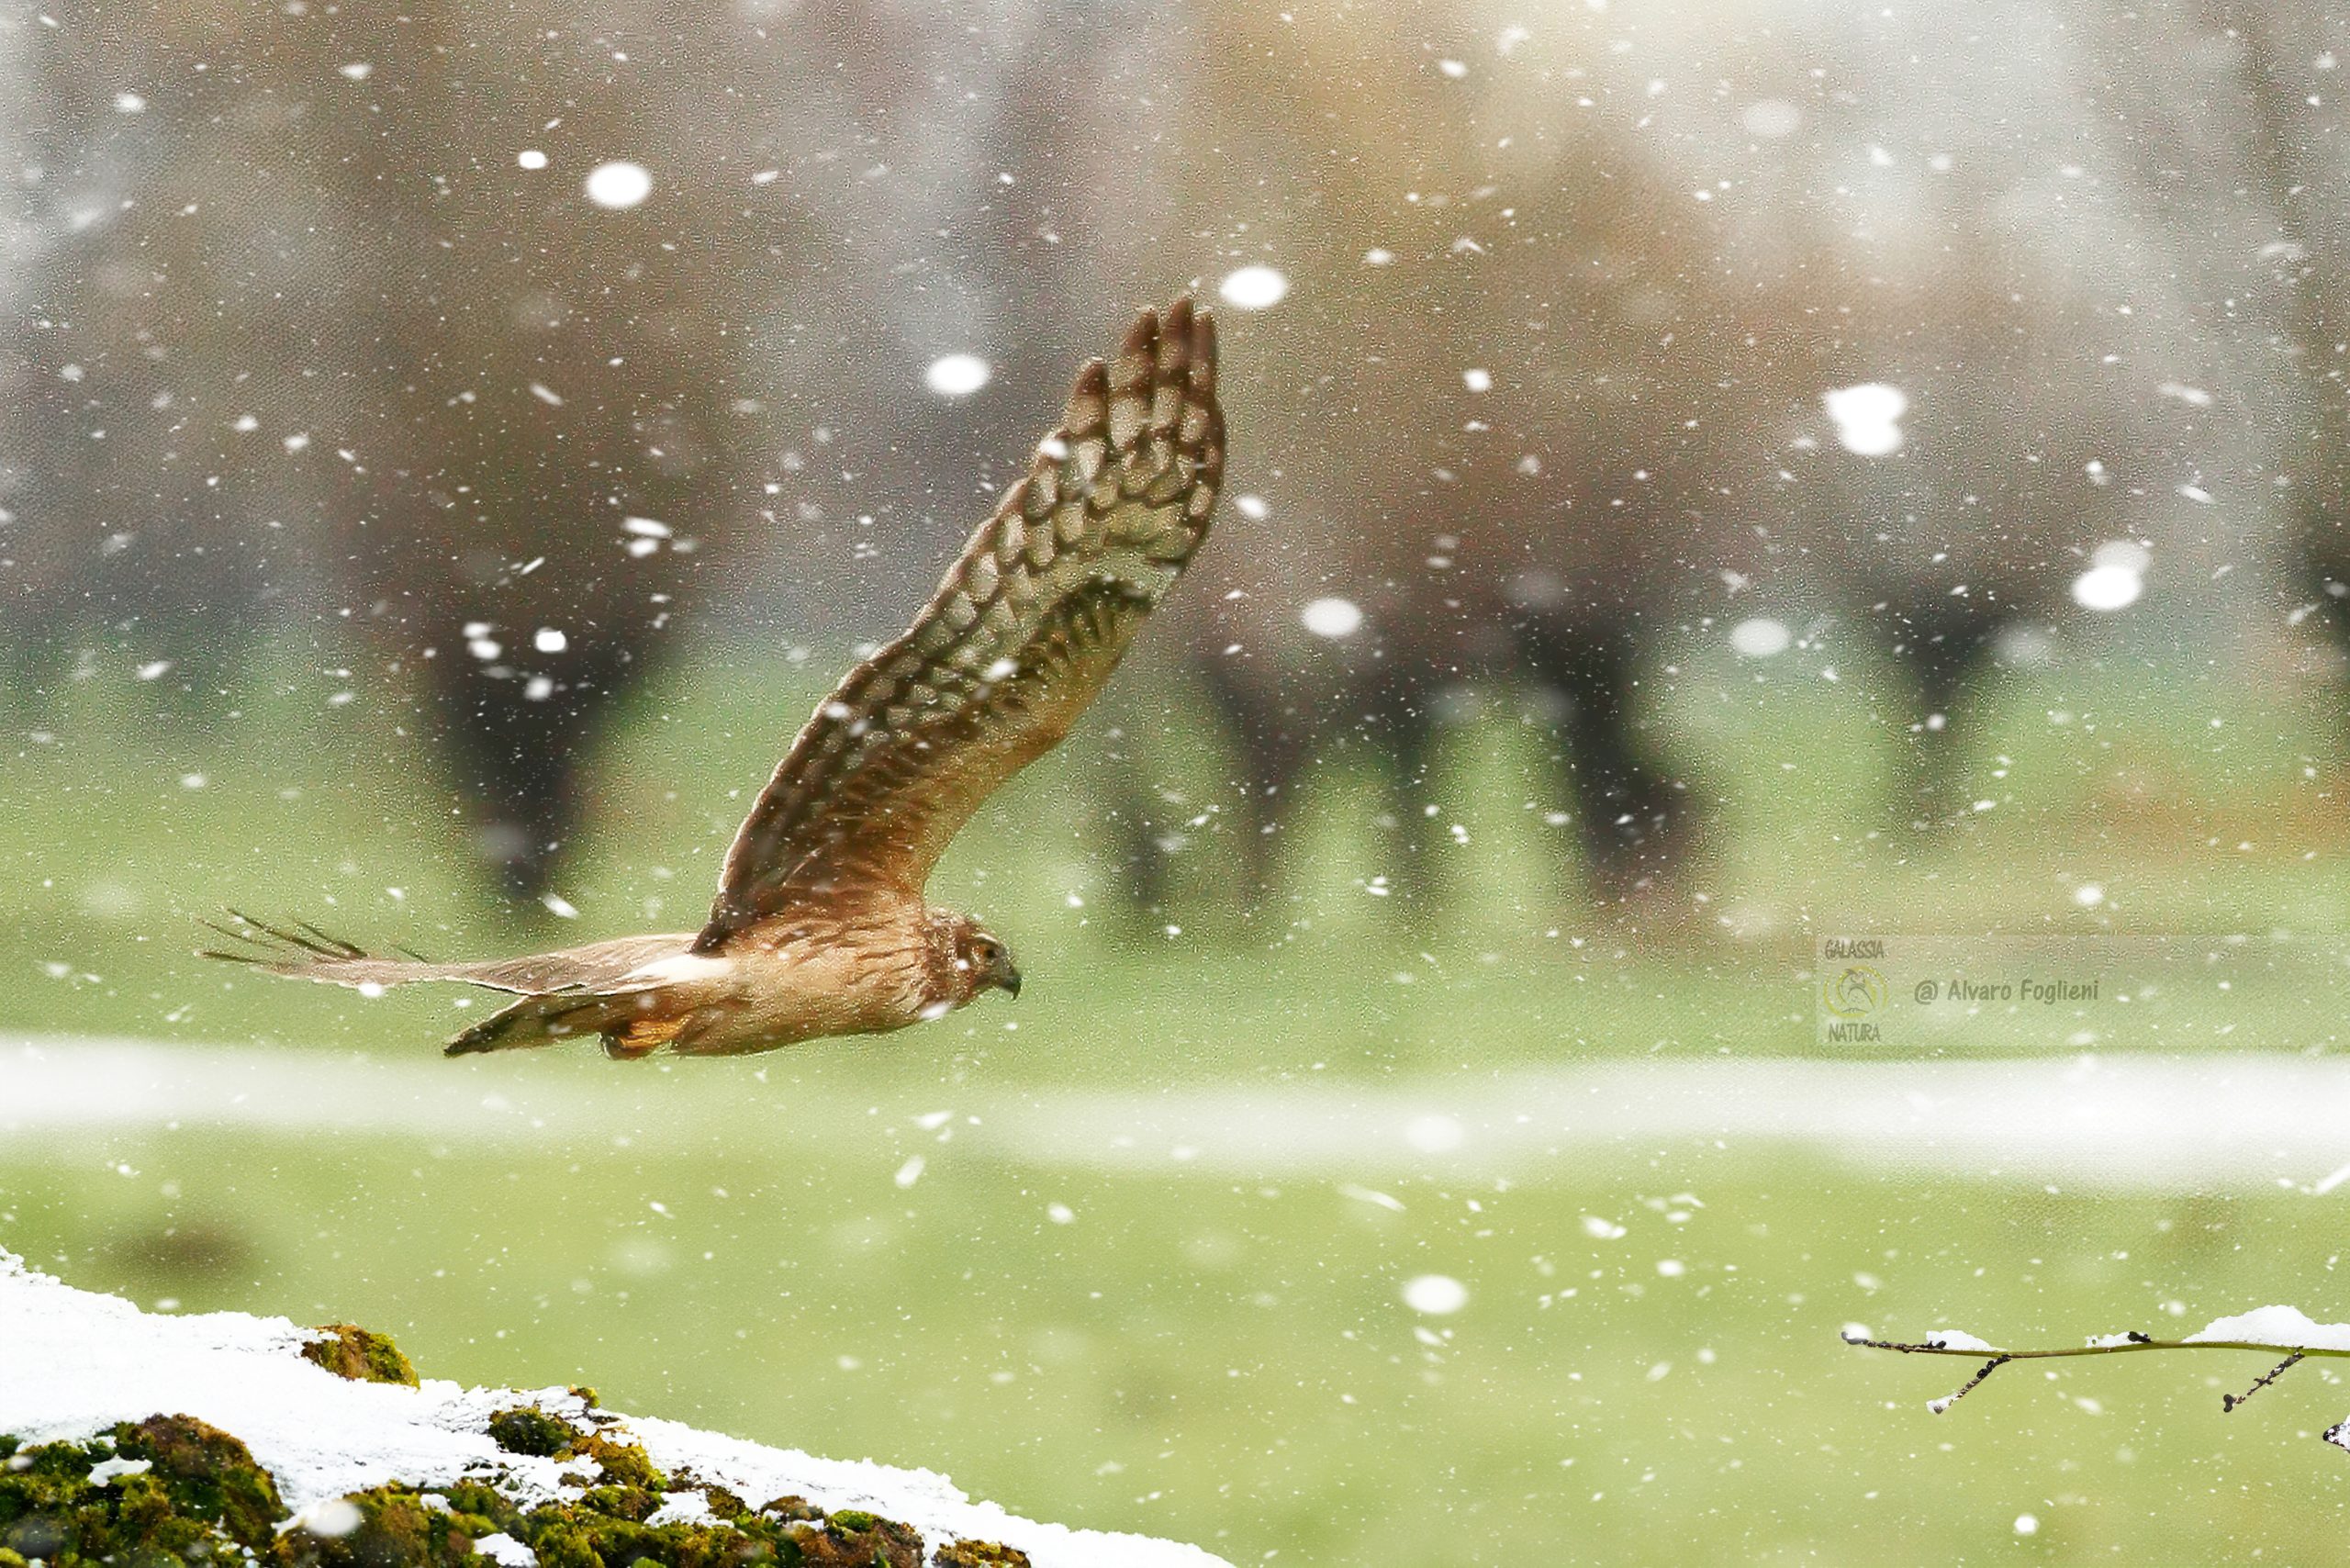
(820, 926)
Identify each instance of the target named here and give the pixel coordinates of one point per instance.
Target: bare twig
(2230, 1401)
(1946, 1401)
(1994, 1357)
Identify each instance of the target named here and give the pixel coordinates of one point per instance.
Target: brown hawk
(820, 927)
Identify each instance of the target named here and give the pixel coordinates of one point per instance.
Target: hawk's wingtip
(1088, 398)
(1141, 342)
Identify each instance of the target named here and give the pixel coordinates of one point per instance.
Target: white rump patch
(679, 967)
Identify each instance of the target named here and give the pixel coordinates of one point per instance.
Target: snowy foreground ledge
(384, 1473)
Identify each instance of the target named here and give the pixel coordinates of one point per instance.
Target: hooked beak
(1009, 981)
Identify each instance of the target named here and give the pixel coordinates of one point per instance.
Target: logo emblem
(1855, 992)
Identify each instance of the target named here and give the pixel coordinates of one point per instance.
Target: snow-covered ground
(73, 1363)
(69, 1085)
(2161, 1124)
(2122, 1121)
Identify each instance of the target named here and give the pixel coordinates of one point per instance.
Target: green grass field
(2193, 807)
(1230, 1361)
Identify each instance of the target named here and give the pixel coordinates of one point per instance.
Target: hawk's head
(977, 961)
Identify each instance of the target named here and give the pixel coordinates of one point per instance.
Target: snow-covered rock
(75, 1366)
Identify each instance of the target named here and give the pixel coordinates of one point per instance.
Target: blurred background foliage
(1705, 476)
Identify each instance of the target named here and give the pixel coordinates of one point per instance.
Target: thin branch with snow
(2283, 1331)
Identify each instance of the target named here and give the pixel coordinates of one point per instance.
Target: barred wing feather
(1018, 640)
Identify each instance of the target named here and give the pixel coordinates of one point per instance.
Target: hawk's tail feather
(280, 942)
(602, 989)
(300, 949)
(532, 1020)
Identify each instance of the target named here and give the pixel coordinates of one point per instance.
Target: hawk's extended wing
(1016, 642)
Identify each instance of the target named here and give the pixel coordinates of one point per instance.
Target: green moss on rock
(200, 1499)
(793, 1506)
(854, 1538)
(360, 1354)
(397, 1529)
(723, 1504)
(624, 1463)
(526, 1429)
(204, 1503)
(207, 1472)
(589, 1541)
(979, 1554)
